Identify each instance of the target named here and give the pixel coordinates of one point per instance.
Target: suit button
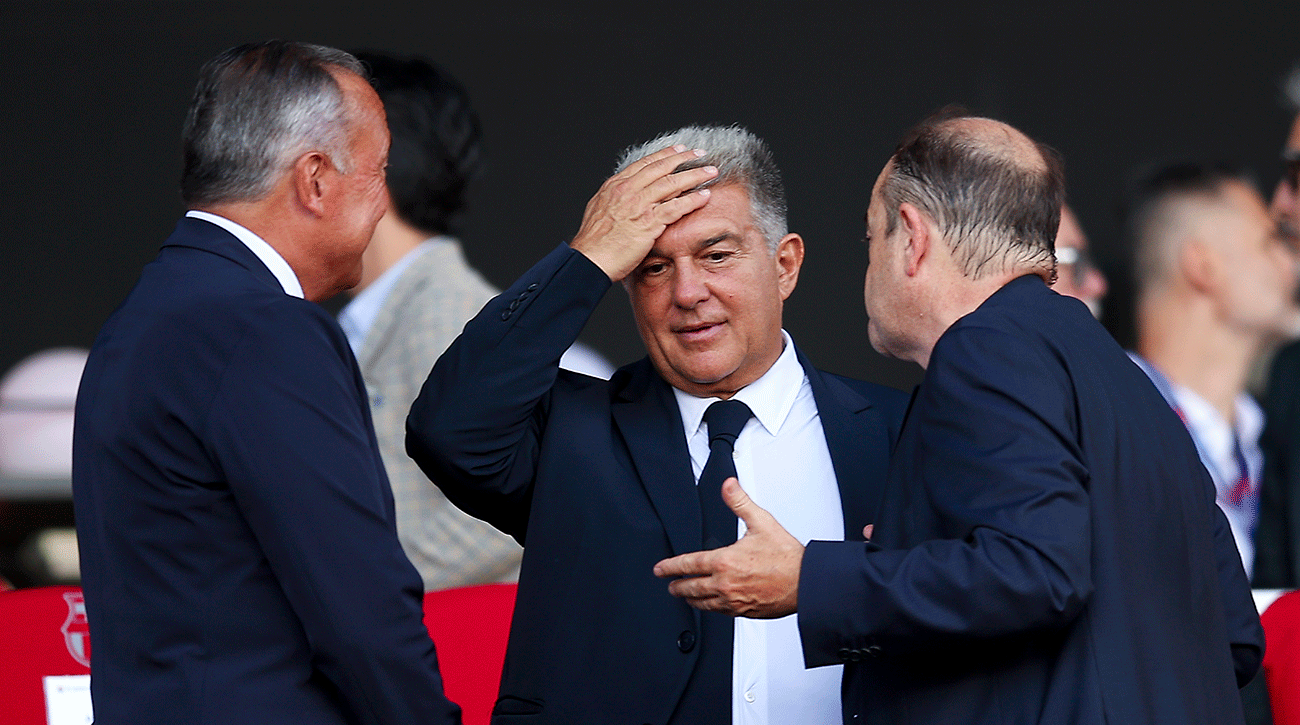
(505, 316)
(686, 641)
(855, 655)
(843, 654)
(873, 650)
(514, 305)
(532, 287)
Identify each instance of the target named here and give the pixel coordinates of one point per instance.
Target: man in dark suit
(239, 555)
(1049, 549)
(599, 480)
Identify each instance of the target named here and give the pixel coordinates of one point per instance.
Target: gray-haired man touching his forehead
(599, 480)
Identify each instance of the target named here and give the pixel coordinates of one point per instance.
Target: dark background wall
(94, 94)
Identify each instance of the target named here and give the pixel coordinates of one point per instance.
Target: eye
(717, 256)
(651, 269)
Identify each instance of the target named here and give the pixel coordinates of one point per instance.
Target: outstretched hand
(756, 577)
(636, 205)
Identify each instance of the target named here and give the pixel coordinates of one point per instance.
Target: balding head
(994, 193)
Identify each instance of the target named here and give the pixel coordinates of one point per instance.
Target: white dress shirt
(783, 463)
(1216, 441)
(358, 316)
(1217, 444)
(258, 246)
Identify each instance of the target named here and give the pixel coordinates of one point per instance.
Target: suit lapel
(648, 419)
(858, 444)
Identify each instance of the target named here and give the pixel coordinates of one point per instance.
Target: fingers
(754, 516)
(635, 206)
(694, 588)
(661, 180)
(693, 564)
(867, 531)
(637, 166)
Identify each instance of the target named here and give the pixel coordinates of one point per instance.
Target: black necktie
(725, 418)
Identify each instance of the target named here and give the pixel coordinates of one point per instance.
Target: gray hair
(741, 158)
(255, 109)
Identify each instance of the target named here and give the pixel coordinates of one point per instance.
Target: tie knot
(726, 418)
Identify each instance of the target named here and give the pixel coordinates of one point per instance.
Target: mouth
(699, 331)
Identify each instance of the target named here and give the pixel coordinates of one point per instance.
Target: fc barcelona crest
(76, 631)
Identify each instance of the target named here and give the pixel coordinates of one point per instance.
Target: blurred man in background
(1216, 287)
(1076, 274)
(416, 292)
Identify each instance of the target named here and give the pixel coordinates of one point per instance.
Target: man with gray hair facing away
(1048, 549)
(599, 480)
(239, 556)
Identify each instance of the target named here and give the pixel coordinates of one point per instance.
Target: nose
(690, 287)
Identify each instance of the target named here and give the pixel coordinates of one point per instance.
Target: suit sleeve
(1007, 487)
(289, 429)
(476, 426)
(1245, 635)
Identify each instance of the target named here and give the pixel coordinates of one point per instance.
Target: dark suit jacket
(1049, 550)
(1277, 535)
(239, 556)
(594, 478)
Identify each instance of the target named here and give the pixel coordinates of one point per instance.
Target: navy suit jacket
(1049, 550)
(239, 555)
(594, 478)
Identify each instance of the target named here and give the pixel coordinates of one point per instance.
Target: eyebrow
(716, 240)
(655, 252)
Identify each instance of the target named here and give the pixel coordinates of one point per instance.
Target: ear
(1199, 266)
(311, 181)
(919, 237)
(789, 258)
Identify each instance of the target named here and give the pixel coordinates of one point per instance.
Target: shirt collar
(1205, 418)
(265, 252)
(769, 398)
(358, 316)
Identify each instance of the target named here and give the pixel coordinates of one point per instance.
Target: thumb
(741, 505)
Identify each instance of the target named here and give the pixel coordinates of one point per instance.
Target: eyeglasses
(1075, 262)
